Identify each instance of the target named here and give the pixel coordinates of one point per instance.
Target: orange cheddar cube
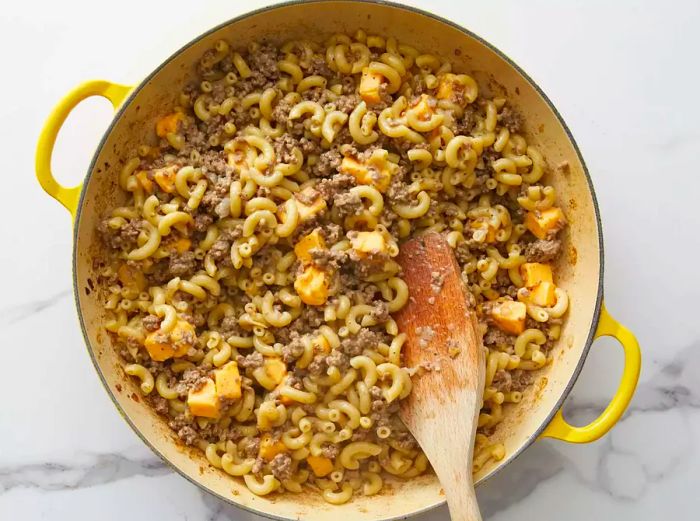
(158, 346)
(369, 86)
(535, 272)
(182, 337)
(509, 316)
(182, 245)
(228, 381)
(543, 294)
(446, 86)
(270, 448)
(309, 204)
(275, 369)
(368, 242)
(165, 177)
(376, 173)
(204, 401)
(543, 223)
(169, 124)
(144, 181)
(353, 167)
(312, 286)
(162, 346)
(132, 277)
(320, 465)
(313, 240)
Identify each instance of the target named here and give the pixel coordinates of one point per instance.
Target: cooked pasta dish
(249, 276)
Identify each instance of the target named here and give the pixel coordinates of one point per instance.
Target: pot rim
(599, 293)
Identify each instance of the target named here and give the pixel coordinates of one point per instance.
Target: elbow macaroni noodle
(250, 277)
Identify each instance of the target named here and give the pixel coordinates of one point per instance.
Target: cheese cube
(320, 465)
(369, 86)
(169, 124)
(535, 272)
(368, 242)
(312, 286)
(351, 166)
(381, 170)
(509, 316)
(307, 210)
(379, 176)
(182, 245)
(275, 369)
(204, 401)
(158, 346)
(132, 277)
(228, 381)
(270, 448)
(542, 223)
(446, 86)
(182, 337)
(165, 177)
(543, 294)
(144, 181)
(161, 346)
(313, 240)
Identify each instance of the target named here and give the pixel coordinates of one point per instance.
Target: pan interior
(579, 271)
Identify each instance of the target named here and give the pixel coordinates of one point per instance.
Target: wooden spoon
(442, 336)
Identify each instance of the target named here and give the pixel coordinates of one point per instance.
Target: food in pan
(249, 275)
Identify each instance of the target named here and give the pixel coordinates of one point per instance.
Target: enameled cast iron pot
(580, 271)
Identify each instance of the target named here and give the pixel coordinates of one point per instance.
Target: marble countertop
(624, 76)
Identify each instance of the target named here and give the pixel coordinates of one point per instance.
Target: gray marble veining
(80, 470)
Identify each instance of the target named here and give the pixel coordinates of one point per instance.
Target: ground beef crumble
(356, 344)
(543, 250)
(284, 147)
(348, 203)
(281, 466)
(202, 222)
(293, 350)
(182, 264)
(123, 237)
(318, 365)
(151, 322)
(328, 163)
(330, 451)
(192, 380)
(251, 361)
(510, 119)
(338, 359)
(496, 337)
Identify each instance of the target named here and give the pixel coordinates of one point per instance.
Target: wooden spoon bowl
(444, 343)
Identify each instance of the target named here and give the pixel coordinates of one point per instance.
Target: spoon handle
(461, 500)
(451, 452)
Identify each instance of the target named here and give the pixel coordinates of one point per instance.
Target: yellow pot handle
(69, 197)
(561, 430)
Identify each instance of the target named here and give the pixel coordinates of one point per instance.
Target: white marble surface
(625, 77)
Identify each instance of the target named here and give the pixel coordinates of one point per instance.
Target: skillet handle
(560, 429)
(69, 197)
